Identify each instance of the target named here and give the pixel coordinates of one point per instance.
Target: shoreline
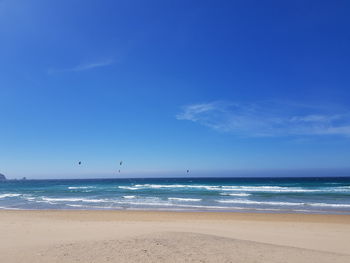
(99, 235)
(238, 211)
(291, 216)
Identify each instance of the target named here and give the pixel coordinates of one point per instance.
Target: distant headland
(2, 177)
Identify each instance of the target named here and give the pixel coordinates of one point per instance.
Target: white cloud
(315, 118)
(192, 112)
(266, 119)
(88, 66)
(84, 66)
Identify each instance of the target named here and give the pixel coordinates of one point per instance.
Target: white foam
(185, 199)
(267, 189)
(329, 205)
(80, 187)
(230, 188)
(338, 189)
(160, 186)
(129, 196)
(234, 201)
(128, 187)
(9, 195)
(205, 206)
(236, 194)
(29, 198)
(9, 208)
(74, 200)
(143, 203)
(172, 205)
(72, 205)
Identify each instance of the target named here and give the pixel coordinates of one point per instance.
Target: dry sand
(120, 236)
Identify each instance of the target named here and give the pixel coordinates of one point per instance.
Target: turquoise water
(286, 195)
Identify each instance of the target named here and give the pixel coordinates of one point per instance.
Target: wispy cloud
(266, 119)
(84, 66)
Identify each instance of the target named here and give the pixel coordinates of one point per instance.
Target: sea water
(279, 195)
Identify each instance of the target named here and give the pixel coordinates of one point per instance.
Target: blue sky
(211, 86)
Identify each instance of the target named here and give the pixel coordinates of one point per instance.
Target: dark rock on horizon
(2, 177)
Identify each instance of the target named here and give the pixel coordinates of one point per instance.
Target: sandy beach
(140, 236)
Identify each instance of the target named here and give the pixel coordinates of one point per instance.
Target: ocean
(274, 195)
